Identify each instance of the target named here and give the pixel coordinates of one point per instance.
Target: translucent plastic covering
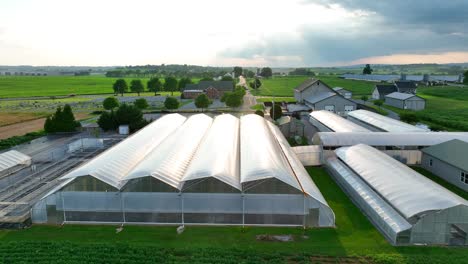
(168, 161)
(406, 190)
(13, 158)
(382, 122)
(261, 155)
(386, 139)
(335, 122)
(218, 154)
(380, 212)
(114, 164)
(305, 182)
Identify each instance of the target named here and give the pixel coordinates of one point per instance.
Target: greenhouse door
(458, 236)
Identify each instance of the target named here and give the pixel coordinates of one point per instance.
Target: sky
(249, 33)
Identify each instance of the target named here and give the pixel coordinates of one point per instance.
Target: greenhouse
(405, 206)
(195, 171)
(326, 121)
(13, 160)
(379, 123)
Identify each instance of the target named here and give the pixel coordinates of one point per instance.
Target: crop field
(29, 86)
(13, 117)
(354, 240)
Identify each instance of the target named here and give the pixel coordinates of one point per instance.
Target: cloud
(386, 28)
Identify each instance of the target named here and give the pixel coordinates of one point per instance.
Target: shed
(380, 91)
(405, 101)
(449, 161)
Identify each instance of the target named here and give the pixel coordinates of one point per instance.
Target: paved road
(249, 101)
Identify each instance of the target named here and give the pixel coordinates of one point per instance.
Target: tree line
(170, 84)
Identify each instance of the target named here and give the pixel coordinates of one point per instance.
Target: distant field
(284, 86)
(26, 86)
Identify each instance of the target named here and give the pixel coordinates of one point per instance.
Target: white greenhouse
(379, 123)
(196, 170)
(13, 160)
(326, 121)
(405, 206)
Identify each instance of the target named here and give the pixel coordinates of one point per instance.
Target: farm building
(319, 96)
(195, 170)
(326, 121)
(381, 90)
(345, 93)
(405, 206)
(213, 89)
(405, 101)
(191, 93)
(379, 123)
(449, 161)
(13, 160)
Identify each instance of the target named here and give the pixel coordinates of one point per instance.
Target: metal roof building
(405, 206)
(379, 123)
(326, 121)
(196, 170)
(415, 140)
(13, 159)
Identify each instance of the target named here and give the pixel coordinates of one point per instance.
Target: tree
(154, 85)
(170, 84)
(136, 86)
(465, 77)
(234, 99)
(183, 82)
(255, 84)
(378, 103)
(107, 121)
(409, 118)
(171, 103)
(276, 111)
(206, 79)
(237, 71)
(266, 72)
(364, 98)
(62, 120)
(110, 103)
(130, 115)
(141, 103)
(367, 69)
(248, 73)
(260, 113)
(120, 87)
(227, 78)
(202, 101)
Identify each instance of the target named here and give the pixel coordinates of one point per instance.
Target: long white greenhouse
(405, 206)
(379, 123)
(196, 170)
(326, 121)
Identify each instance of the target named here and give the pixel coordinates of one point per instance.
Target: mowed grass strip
(354, 240)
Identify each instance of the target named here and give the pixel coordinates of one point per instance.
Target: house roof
(386, 89)
(340, 89)
(405, 85)
(317, 98)
(203, 85)
(307, 83)
(453, 152)
(401, 96)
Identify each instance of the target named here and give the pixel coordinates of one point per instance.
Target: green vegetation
(354, 240)
(171, 103)
(379, 110)
(61, 121)
(202, 101)
(136, 86)
(125, 115)
(367, 69)
(442, 182)
(235, 98)
(276, 99)
(260, 113)
(110, 103)
(259, 107)
(276, 111)
(141, 103)
(17, 140)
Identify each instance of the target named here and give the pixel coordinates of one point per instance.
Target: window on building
(464, 177)
(430, 162)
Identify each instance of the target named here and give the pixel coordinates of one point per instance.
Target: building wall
(313, 90)
(414, 103)
(213, 93)
(338, 102)
(443, 170)
(191, 95)
(376, 95)
(395, 102)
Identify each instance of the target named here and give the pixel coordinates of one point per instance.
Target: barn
(405, 101)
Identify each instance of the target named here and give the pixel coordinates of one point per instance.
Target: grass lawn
(28, 86)
(276, 99)
(354, 240)
(446, 107)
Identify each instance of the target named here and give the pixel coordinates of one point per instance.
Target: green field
(354, 240)
(28, 86)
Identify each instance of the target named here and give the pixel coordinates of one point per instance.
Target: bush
(171, 103)
(276, 111)
(130, 115)
(260, 113)
(202, 101)
(141, 103)
(17, 140)
(110, 103)
(107, 121)
(435, 127)
(409, 117)
(378, 103)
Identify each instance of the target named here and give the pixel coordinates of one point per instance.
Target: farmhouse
(380, 90)
(377, 122)
(405, 101)
(196, 170)
(319, 96)
(405, 206)
(213, 89)
(449, 161)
